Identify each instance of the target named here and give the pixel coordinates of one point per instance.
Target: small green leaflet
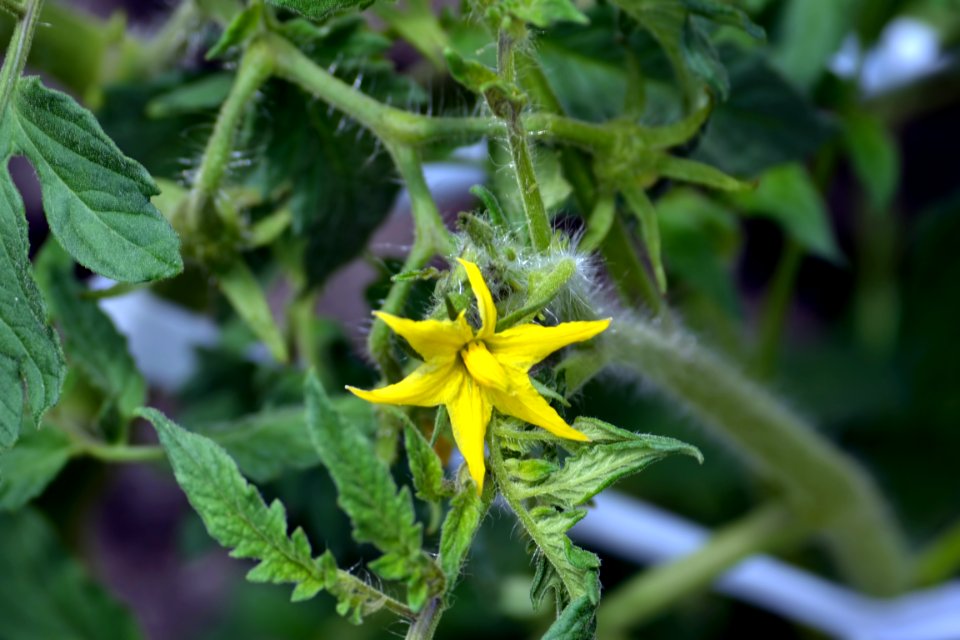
(466, 511)
(97, 200)
(241, 288)
(235, 514)
(240, 29)
(31, 362)
(27, 469)
(425, 465)
(367, 493)
(92, 342)
(46, 594)
(787, 194)
(320, 10)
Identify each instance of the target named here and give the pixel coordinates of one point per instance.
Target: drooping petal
(484, 367)
(527, 344)
(488, 311)
(432, 339)
(470, 412)
(524, 402)
(429, 385)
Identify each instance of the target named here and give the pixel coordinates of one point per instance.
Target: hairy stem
(538, 222)
(654, 590)
(425, 626)
(430, 238)
(18, 51)
(827, 489)
(255, 69)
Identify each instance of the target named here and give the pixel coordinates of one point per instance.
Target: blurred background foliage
(835, 281)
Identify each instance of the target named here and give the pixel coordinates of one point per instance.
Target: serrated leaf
(320, 10)
(234, 513)
(576, 622)
(241, 288)
(425, 465)
(459, 527)
(611, 455)
(97, 201)
(92, 342)
(31, 363)
(787, 194)
(240, 29)
(380, 514)
(27, 469)
(46, 594)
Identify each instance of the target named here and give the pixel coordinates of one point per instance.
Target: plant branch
(18, 51)
(430, 238)
(827, 490)
(255, 68)
(426, 623)
(654, 590)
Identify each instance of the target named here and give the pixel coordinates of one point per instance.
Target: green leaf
(425, 466)
(544, 13)
(765, 123)
(243, 26)
(27, 469)
(31, 363)
(809, 33)
(576, 622)
(92, 342)
(46, 594)
(97, 200)
(611, 455)
(235, 514)
(467, 509)
(192, 96)
(271, 442)
(365, 489)
(788, 195)
(875, 157)
(320, 10)
(241, 288)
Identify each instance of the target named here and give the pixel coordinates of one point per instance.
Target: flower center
(483, 367)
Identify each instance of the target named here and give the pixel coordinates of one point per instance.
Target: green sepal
(467, 509)
(425, 466)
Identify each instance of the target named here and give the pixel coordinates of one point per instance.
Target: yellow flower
(473, 372)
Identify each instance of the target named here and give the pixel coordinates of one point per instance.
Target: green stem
(654, 590)
(255, 69)
(121, 453)
(826, 488)
(430, 238)
(774, 314)
(12, 7)
(538, 222)
(515, 500)
(425, 626)
(18, 51)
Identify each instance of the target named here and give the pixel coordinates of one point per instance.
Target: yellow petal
(470, 413)
(488, 311)
(484, 367)
(429, 385)
(524, 402)
(525, 345)
(431, 338)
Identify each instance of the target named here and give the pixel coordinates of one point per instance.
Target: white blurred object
(633, 530)
(908, 49)
(161, 336)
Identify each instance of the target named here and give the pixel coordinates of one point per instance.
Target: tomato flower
(472, 372)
